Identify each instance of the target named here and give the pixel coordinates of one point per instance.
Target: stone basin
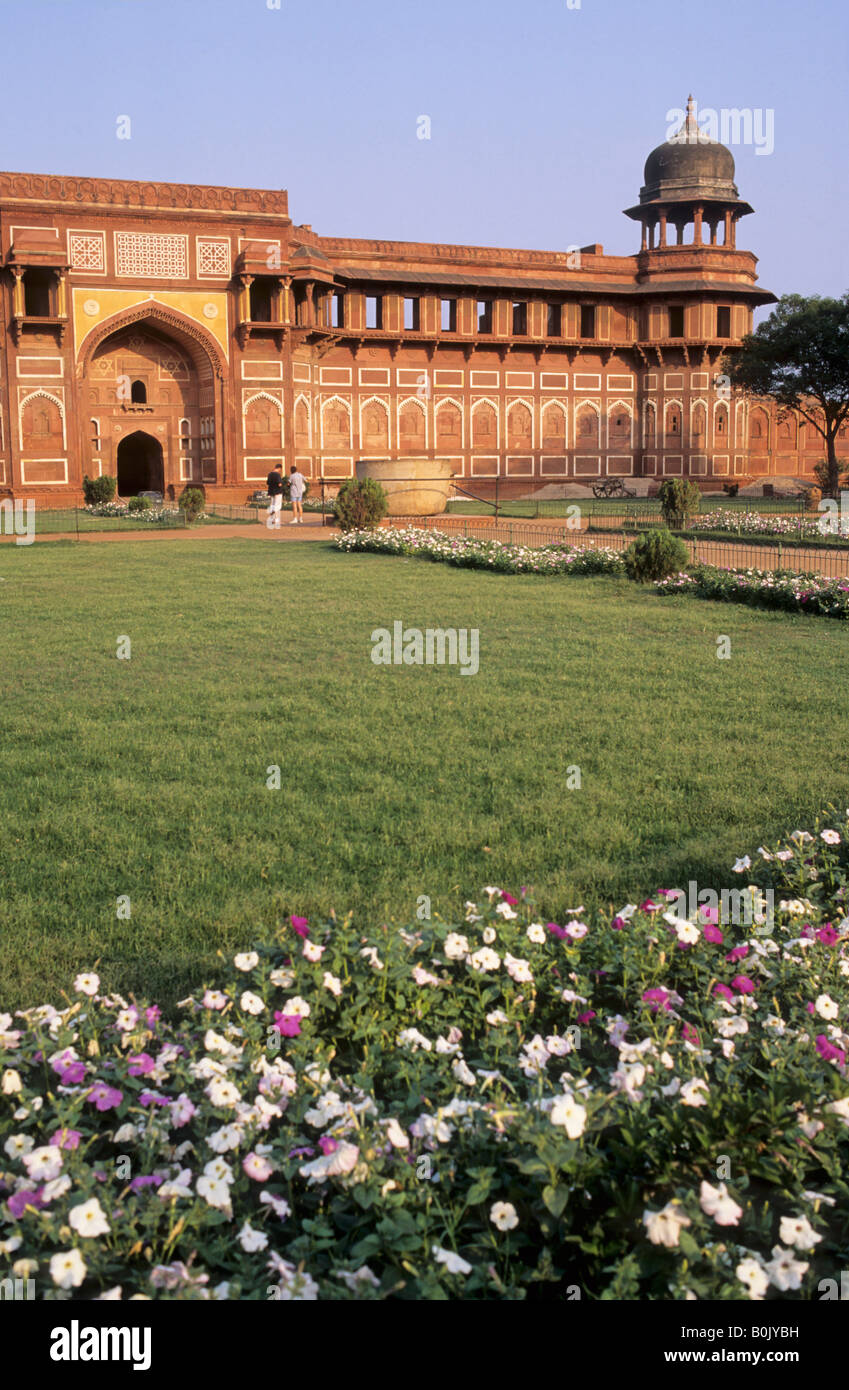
(413, 486)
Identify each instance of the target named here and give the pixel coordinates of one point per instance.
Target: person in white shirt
(297, 487)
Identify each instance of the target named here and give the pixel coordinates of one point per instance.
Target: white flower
(332, 983)
(227, 1137)
(125, 1133)
(342, 1160)
(497, 1018)
(536, 933)
(556, 1046)
(395, 1134)
(221, 1092)
(87, 983)
(278, 1205)
(57, 1187)
(298, 1006)
(484, 960)
(283, 979)
(456, 946)
(691, 1092)
(453, 1262)
(215, 1191)
(412, 1038)
(565, 1111)
(715, 1202)
(505, 910)
(89, 1219)
(752, 1274)
(312, 951)
(798, 1231)
(44, 1163)
(246, 961)
(830, 837)
(488, 934)
(219, 1169)
(462, 1072)
(664, 1227)
(826, 1007)
(176, 1187)
(251, 1240)
(17, 1145)
(214, 999)
(741, 865)
(68, 1270)
(503, 1216)
(358, 1278)
(785, 1272)
(518, 970)
(576, 930)
(491, 892)
(251, 1003)
(687, 932)
(423, 977)
(11, 1082)
(8, 1247)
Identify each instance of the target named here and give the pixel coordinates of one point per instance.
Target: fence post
(322, 500)
(779, 552)
(496, 499)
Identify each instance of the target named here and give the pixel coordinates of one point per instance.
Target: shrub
(679, 500)
(360, 504)
(731, 489)
(98, 490)
(139, 504)
(654, 555)
(191, 503)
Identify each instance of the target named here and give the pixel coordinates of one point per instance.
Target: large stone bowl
(413, 486)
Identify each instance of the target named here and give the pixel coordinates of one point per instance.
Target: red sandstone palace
(171, 334)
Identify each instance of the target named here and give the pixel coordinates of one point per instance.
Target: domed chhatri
(689, 179)
(689, 165)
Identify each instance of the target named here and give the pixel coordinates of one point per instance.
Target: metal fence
(833, 563)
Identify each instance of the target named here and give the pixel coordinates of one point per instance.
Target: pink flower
(585, 1017)
(737, 954)
(559, 932)
(712, 934)
(300, 925)
(105, 1097)
(828, 1051)
(827, 935)
(649, 906)
(743, 984)
(618, 923)
(328, 1145)
(506, 898)
(140, 1065)
(288, 1024)
(690, 1035)
(656, 999)
(153, 1098)
(257, 1167)
(709, 914)
(67, 1138)
(723, 991)
(809, 1008)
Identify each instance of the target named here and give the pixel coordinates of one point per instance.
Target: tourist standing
(274, 484)
(297, 487)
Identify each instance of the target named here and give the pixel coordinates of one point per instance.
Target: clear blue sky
(541, 115)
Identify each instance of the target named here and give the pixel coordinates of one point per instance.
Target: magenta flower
(827, 935)
(618, 923)
(152, 1180)
(153, 1015)
(140, 1065)
(809, 1008)
(301, 925)
(66, 1139)
(723, 991)
(585, 1017)
(690, 1035)
(507, 898)
(712, 934)
(709, 914)
(301, 1153)
(289, 1024)
(71, 1075)
(105, 1097)
(649, 906)
(328, 1145)
(743, 984)
(656, 999)
(153, 1098)
(560, 932)
(828, 1051)
(19, 1201)
(737, 954)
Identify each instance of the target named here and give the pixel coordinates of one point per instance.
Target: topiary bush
(655, 555)
(99, 490)
(360, 504)
(139, 504)
(191, 503)
(679, 500)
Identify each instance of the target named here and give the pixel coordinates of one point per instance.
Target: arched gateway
(151, 383)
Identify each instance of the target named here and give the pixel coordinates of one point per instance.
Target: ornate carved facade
(171, 334)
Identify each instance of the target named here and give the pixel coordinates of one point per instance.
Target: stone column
(18, 294)
(662, 241)
(245, 297)
(697, 227)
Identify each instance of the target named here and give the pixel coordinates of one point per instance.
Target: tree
(800, 357)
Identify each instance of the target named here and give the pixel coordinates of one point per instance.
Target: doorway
(140, 465)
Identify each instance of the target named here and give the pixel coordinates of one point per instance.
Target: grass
(73, 520)
(615, 508)
(147, 777)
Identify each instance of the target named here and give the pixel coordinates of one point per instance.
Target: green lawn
(147, 777)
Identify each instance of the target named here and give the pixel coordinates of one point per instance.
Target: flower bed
(483, 554)
(800, 593)
(724, 522)
(166, 516)
(635, 1106)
